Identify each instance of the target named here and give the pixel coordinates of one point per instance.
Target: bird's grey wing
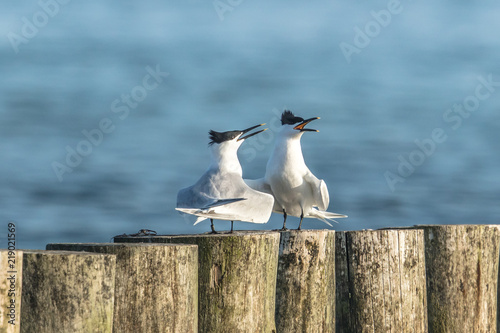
(262, 186)
(319, 191)
(204, 212)
(190, 198)
(259, 185)
(221, 202)
(325, 197)
(203, 193)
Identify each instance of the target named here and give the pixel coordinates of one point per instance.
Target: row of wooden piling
(421, 279)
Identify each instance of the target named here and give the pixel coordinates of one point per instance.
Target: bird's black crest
(219, 137)
(288, 118)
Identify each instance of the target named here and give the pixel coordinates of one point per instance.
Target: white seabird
(296, 190)
(221, 193)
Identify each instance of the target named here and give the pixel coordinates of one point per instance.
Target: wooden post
(156, 287)
(462, 277)
(237, 279)
(380, 278)
(305, 290)
(11, 272)
(67, 292)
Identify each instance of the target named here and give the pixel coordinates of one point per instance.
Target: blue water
(230, 70)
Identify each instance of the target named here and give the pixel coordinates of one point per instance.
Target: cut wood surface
(462, 277)
(67, 292)
(237, 278)
(156, 288)
(305, 290)
(380, 279)
(436, 278)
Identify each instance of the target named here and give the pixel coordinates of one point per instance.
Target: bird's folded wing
(204, 212)
(319, 190)
(325, 197)
(221, 202)
(213, 204)
(256, 214)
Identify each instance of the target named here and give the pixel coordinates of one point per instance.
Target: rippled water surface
(381, 75)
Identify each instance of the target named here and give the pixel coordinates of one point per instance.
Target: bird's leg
(284, 221)
(301, 218)
(231, 226)
(212, 226)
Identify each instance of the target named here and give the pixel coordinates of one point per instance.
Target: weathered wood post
(237, 279)
(462, 277)
(380, 278)
(67, 292)
(11, 272)
(156, 287)
(305, 289)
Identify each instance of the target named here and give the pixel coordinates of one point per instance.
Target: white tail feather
(325, 216)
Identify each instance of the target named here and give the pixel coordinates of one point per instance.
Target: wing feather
(325, 197)
(319, 191)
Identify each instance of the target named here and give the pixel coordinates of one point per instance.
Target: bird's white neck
(225, 158)
(288, 150)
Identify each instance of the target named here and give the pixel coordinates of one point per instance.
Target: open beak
(300, 127)
(251, 134)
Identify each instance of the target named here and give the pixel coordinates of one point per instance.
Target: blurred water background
(73, 66)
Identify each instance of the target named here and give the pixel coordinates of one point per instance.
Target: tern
(221, 193)
(296, 190)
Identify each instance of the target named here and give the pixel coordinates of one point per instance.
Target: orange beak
(300, 127)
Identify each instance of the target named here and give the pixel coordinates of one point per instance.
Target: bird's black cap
(219, 137)
(288, 118)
